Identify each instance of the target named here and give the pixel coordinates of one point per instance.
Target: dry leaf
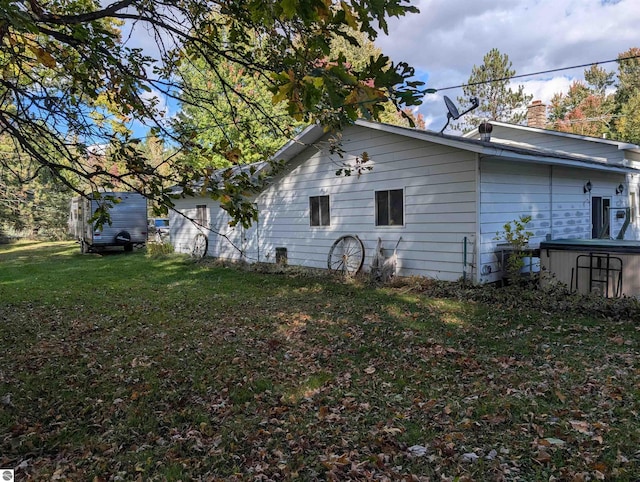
(323, 412)
(543, 456)
(580, 426)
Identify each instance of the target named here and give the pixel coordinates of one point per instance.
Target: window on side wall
(633, 207)
(390, 207)
(319, 211)
(201, 215)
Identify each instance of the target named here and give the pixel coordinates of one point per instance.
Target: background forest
(33, 203)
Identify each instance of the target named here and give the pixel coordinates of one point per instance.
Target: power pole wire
(535, 73)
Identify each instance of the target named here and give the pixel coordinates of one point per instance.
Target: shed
(445, 197)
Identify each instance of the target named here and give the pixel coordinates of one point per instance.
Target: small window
(390, 208)
(201, 215)
(319, 211)
(633, 207)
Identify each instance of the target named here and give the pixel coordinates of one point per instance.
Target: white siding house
(447, 197)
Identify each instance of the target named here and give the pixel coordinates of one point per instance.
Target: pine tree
(489, 82)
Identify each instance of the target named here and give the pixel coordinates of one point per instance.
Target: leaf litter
(315, 380)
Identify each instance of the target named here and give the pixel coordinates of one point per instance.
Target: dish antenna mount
(453, 110)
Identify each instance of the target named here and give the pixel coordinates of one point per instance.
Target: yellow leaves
(233, 155)
(287, 82)
(363, 94)
(44, 57)
(349, 16)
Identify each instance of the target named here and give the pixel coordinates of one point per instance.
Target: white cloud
(449, 37)
(159, 99)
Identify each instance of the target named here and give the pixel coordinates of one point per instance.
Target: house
(441, 199)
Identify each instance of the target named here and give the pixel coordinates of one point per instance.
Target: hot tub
(609, 267)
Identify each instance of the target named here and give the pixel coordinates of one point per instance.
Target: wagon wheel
(346, 255)
(200, 246)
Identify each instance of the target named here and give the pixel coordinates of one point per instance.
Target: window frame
(316, 203)
(202, 216)
(389, 210)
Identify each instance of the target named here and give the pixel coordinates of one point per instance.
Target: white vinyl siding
(438, 183)
(553, 196)
(451, 197)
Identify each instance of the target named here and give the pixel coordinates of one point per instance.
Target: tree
(587, 109)
(627, 97)
(30, 201)
(223, 128)
(70, 80)
(591, 108)
(628, 76)
(628, 124)
(490, 84)
(226, 132)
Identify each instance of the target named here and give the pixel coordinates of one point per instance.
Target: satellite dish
(453, 110)
(451, 107)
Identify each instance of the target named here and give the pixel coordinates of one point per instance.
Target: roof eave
(621, 145)
(489, 149)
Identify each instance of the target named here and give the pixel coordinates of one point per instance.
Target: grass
(124, 367)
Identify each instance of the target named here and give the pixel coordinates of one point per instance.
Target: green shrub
(159, 249)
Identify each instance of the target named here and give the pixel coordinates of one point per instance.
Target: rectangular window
(390, 207)
(201, 215)
(319, 211)
(633, 205)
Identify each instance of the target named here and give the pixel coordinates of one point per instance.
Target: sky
(448, 37)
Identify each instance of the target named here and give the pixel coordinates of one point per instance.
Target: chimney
(484, 129)
(537, 114)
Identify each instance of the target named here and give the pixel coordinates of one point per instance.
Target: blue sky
(448, 37)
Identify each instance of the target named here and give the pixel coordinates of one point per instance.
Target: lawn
(130, 367)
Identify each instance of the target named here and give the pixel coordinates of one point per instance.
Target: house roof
(254, 171)
(486, 149)
(515, 152)
(600, 140)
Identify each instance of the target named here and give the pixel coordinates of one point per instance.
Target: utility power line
(535, 73)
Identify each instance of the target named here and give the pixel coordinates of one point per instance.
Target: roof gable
(511, 151)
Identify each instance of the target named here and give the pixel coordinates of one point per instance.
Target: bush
(155, 250)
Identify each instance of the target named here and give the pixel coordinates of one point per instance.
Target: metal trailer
(128, 215)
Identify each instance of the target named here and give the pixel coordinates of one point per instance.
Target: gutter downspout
(477, 244)
(551, 201)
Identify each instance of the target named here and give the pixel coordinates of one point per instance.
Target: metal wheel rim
(199, 246)
(346, 255)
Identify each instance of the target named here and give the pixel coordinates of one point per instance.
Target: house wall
(439, 211)
(552, 195)
(224, 241)
(444, 212)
